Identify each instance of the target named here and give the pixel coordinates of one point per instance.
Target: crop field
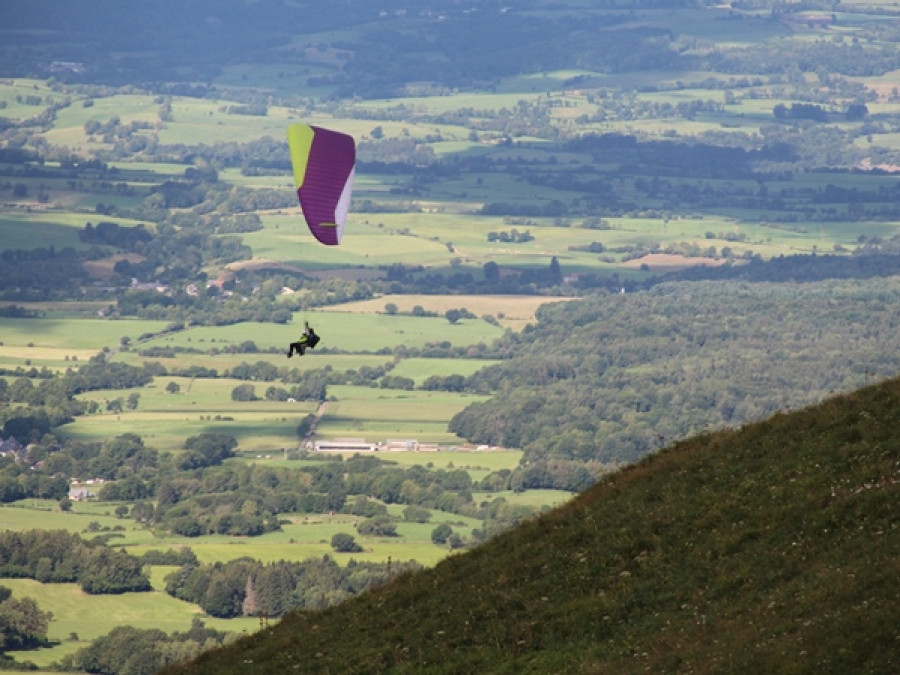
(513, 311)
(202, 121)
(302, 535)
(68, 130)
(35, 514)
(305, 536)
(53, 358)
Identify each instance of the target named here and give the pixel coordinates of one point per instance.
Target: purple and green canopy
(323, 162)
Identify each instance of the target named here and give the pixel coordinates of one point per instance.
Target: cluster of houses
(11, 447)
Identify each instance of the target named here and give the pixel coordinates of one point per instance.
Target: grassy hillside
(773, 548)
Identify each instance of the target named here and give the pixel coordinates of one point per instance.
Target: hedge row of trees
(56, 556)
(249, 587)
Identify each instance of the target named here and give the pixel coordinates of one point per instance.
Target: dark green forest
(615, 376)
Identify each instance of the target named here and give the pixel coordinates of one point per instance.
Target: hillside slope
(773, 548)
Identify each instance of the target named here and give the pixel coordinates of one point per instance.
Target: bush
(345, 543)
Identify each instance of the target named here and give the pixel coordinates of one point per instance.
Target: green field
(91, 616)
(381, 414)
(74, 334)
(343, 331)
(201, 405)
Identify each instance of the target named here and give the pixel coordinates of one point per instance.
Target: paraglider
(308, 339)
(324, 163)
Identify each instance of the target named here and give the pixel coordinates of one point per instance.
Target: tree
(380, 526)
(555, 271)
(250, 606)
(441, 533)
(345, 543)
(173, 388)
(416, 514)
(222, 600)
(453, 315)
(455, 541)
(243, 392)
(65, 504)
(125, 651)
(391, 308)
(491, 271)
(22, 624)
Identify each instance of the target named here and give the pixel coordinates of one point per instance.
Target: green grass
(73, 334)
(92, 616)
(762, 549)
(382, 414)
(222, 362)
(351, 332)
(36, 514)
(12, 90)
(40, 230)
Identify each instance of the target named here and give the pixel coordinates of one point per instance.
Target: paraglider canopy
(324, 163)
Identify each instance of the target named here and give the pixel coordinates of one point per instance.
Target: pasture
(29, 228)
(25, 98)
(72, 333)
(382, 414)
(344, 332)
(79, 618)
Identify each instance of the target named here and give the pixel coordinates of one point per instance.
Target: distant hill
(772, 548)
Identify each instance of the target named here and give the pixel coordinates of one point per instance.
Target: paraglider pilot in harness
(307, 339)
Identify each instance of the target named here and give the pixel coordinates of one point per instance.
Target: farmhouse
(12, 447)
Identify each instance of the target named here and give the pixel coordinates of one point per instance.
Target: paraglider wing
(323, 162)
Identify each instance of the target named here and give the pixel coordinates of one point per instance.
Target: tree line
(247, 587)
(57, 556)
